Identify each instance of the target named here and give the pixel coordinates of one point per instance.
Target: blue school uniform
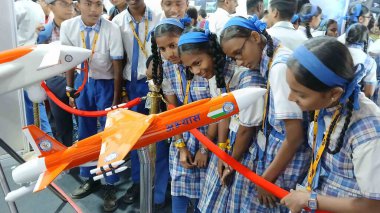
(215, 197)
(185, 182)
(280, 108)
(354, 170)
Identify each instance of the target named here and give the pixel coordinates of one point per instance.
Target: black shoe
(85, 189)
(110, 200)
(159, 207)
(132, 194)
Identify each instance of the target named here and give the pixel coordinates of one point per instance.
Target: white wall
(11, 105)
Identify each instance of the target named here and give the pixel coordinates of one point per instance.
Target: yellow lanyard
(314, 163)
(93, 43)
(265, 114)
(142, 46)
(179, 76)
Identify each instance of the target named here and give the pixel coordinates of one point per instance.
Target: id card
(261, 140)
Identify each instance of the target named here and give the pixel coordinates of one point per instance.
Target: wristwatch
(312, 202)
(203, 150)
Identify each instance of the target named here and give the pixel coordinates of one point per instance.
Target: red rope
(256, 179)
(68, 198)
(71, 110)
(85, 70)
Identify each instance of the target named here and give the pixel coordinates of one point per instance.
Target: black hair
(193, 14)
(213, 49)
(300, 3)
(252, 3)
(306, 9)
(371, 23)
(337, 58)
(328, 24)
(352, 11)
(161, 30)
(358, 33)
(286, 8)
(242, 32)
(203, 13)
(148, 61)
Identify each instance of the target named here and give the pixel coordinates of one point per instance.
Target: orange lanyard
(93, 44)
(142, 46)
(314, 163)
(179, 76)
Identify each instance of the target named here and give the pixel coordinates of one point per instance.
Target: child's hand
(72, 102)
(200, 159)
(266, 198)
(227, 176)
(185, 158)
(296, 200)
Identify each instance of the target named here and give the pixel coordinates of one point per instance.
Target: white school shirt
(361, 57)
(287, 34)
(107, 48)
(123, 20)
(28, 16)
(280, 90)
(217, 21)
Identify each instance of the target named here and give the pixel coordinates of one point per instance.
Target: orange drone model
(125, 130)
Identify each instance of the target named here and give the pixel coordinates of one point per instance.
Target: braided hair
(213, 49)
(337, 58)
(358, 34)
(161, 30)
(306, 17)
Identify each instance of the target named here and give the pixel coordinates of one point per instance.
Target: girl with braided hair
(202, 54)
(357, 13)
(281, 155)
(187, 157)
(357, 38)
(310, 16)
(344, 135)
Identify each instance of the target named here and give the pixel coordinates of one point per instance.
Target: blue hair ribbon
(320, 71)
(313, 12)
(355, 16)
(194, 37)
(172, 21)
(294, 18)
(253, 23)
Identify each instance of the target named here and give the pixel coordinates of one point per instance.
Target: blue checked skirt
(219, 199)
(294, 174)
(186, 182)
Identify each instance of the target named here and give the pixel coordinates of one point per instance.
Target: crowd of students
(315, 133)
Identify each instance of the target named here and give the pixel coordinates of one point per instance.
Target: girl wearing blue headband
(310, 16)
(187, 157)
(357, 38)
(223, 191)
(344, 171)
(358, 13)
(281, 157)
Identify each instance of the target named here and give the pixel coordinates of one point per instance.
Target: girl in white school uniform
(187, 158)
(199, 51)
(357, 38)
(282, 157)
(310, 16)
(345, 132)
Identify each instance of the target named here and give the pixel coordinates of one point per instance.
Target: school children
(358, 13)
(135, 23)
(344, 134)
(332, 28)
(216, 21)
(310, 16)
(188, 158)
(102, 90)
(357, 39)
(282, 156)
(279, 16)
(199, 51)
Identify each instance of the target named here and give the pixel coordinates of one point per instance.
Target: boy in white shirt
(103, 87)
